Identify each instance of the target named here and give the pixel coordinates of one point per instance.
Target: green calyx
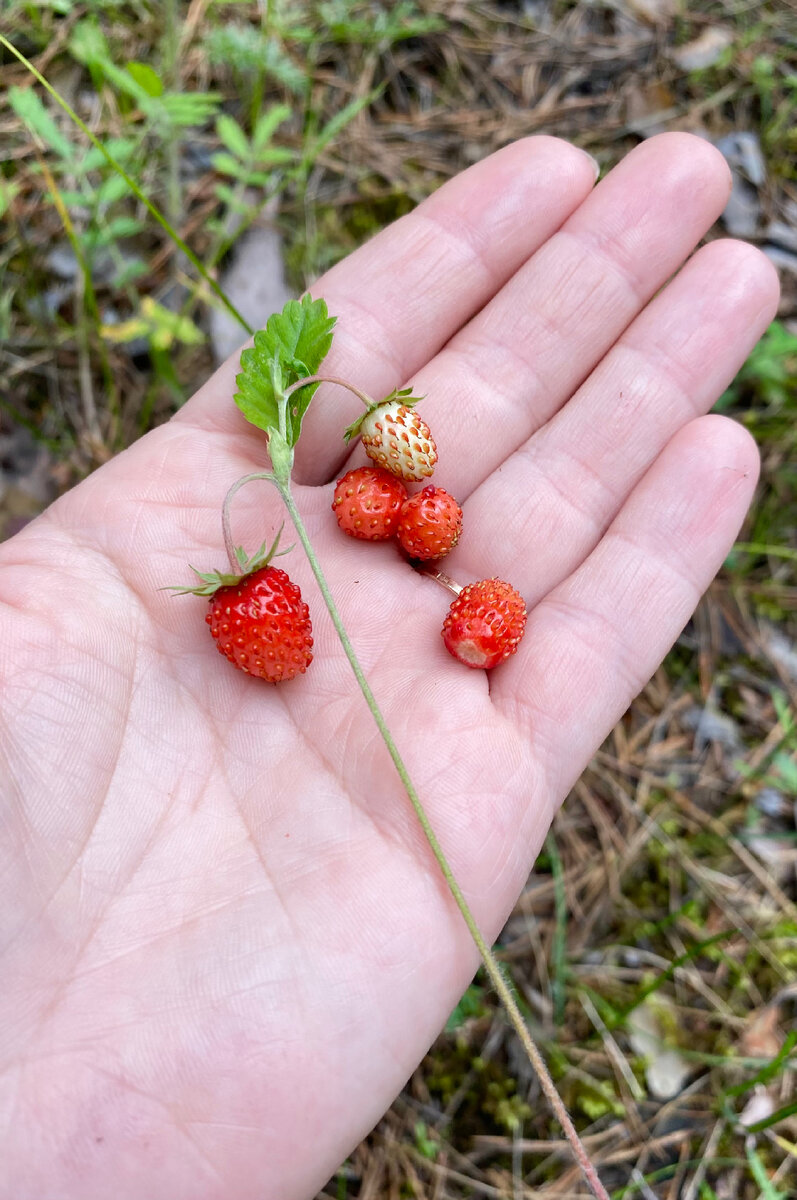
(213, 580)
(403, 395)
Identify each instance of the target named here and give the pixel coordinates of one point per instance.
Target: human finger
(538, 517)
(593, 642)
(520, 359)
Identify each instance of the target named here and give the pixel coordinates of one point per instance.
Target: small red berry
(430, 523)
(262, 625)
(367, 503)
(485, 623)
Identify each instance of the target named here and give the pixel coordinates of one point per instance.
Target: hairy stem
(229, 544)
(361, 395)
(491, 965)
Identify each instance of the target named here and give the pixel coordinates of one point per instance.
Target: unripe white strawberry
(396, 438)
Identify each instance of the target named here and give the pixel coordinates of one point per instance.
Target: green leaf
(233, 202)
(225, 164)
(29, 108)
(167, 327)
(293, 344)
(88, 44)
(121, 227)
(110, 190)
(147, 78)
(233, 137)
(274, 155)
(7, 193)
(338, 123)
(267, 123)
(759, 1173)
(122, 150)
(184, 110)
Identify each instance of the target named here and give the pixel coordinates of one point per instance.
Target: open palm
(225, 944)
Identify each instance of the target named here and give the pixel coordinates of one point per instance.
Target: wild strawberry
(262, 625)
(485, 623)
(258, 618)
(429, 524)
(396, 438)
(367, 503)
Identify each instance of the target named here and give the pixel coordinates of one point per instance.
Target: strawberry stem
(229, 544)
(440, 577)
(491, 965)
(366, 399)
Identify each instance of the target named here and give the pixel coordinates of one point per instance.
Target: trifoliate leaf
(293, 345)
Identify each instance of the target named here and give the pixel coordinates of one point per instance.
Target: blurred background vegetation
(655, 946)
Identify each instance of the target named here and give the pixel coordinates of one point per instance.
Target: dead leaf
(666, 1070)
(705, 50)
(761, 1038)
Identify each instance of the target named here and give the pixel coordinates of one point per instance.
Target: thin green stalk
(170, 52)
(761, 548)
(134, 188)
(491, 964)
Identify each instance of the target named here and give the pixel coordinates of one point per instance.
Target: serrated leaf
(121, 227)
(274, 156)
(293, 344)
(233, 137)
(120, 148)
(233, 202)
(186, 109)
(226, 164)
(29, 108)
(112, 189)
(268, 123)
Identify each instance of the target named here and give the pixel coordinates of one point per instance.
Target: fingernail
(595, 164)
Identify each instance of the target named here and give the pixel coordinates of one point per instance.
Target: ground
(654, 949)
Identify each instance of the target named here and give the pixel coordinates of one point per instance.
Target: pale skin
(225, 945)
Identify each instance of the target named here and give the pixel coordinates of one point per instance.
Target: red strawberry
(367, 503)
(485, 623)
(258, 617)
(430, 523)
(262, 625)
(396, 438)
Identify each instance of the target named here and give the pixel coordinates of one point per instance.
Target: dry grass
(668, 885)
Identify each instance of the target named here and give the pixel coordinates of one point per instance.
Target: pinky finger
(596, 639)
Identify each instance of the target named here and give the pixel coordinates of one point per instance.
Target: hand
(225, 942)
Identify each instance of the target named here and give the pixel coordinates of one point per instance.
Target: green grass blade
(135, 189)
